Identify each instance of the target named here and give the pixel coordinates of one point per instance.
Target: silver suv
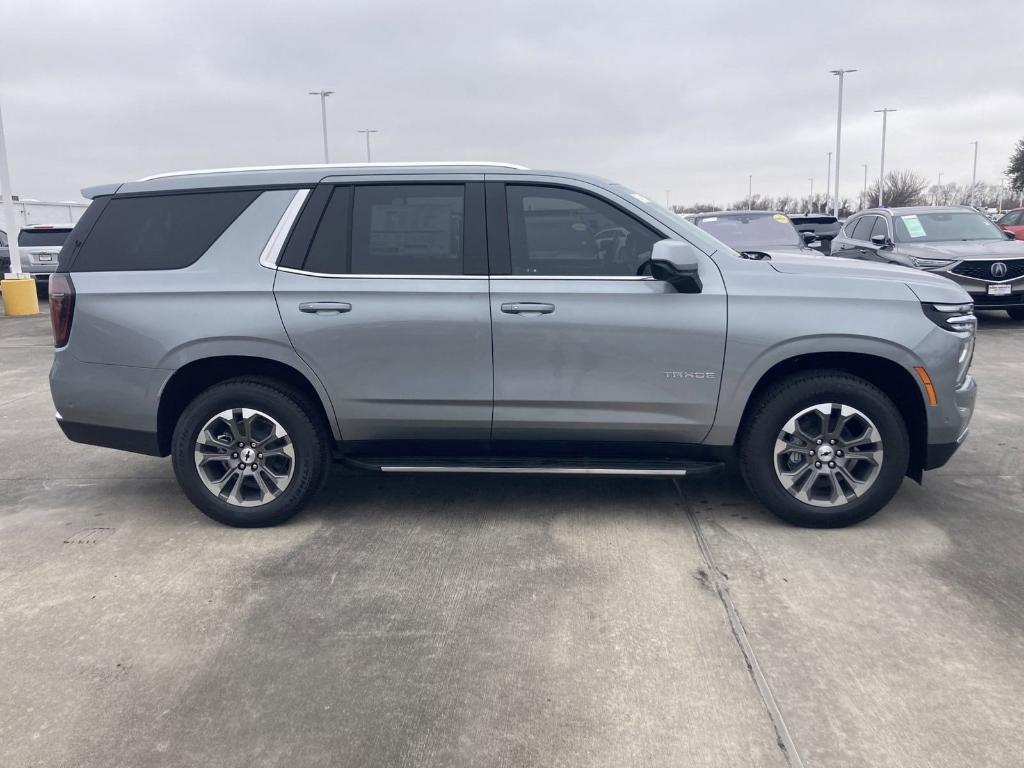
(256, 324)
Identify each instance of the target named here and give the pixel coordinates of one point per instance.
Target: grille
(982, 270)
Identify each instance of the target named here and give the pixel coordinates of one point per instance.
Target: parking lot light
(5, 189)
(840, 73)
(974, 173)
(881, 166)
(323, 116)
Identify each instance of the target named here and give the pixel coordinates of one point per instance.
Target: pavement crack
(716, 579)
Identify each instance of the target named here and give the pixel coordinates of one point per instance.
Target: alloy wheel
(244, 457)
(828, 455)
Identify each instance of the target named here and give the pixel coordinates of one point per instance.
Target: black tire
(789, 397)
(308, 434)
(1016, 313)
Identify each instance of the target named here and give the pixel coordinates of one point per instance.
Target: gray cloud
(690, 97)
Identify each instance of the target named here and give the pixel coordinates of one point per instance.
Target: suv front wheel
(247, 452)
(824, 449)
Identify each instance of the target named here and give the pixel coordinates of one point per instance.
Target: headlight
(963, 362)
(956, 318)
(931, 263)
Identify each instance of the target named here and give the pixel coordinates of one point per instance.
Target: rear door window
(43, 238)
(414, 229)
(159, 231)
(863, 228)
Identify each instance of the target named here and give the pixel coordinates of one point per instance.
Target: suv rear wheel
(824, 449)
(248, 452)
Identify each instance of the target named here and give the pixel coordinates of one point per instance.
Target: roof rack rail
(329, 166)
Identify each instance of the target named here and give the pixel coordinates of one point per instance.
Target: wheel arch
(194, 377)
(889, 376)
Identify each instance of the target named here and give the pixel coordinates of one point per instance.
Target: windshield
(750, 231)
(944, 226)
(36, 238)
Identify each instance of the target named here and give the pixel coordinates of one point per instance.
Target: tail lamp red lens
(62, 307)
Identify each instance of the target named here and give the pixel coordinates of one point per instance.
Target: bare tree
(902, 188)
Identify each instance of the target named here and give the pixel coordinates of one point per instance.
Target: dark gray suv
(256, 324)
(956, 242)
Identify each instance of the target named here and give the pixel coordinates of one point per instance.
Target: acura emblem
(998, 270)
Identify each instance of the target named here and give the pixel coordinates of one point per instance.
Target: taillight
(62, 307)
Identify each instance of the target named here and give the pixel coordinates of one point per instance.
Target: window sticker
(710, 218)
(780, 218)
(913, 225)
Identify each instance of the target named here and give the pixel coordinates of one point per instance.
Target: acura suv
(956, 242)
(257, 324)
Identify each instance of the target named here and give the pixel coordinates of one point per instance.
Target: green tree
(1015, 170)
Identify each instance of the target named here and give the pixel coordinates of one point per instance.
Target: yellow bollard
(19, 295)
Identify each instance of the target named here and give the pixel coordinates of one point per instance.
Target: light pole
(840, 73)
(864, 195)
(828, 182)
(667, 204)
(881, 166)
(974, 172)
(323, 116)
(5, 188)
(810, 201)
(750, 192)
(939, 190)
(367, 131)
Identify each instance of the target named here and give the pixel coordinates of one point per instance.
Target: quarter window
(159, 231)
(562, 232)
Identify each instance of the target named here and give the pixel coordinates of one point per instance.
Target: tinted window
(879, 228)
(159, 231)
(1011, 219)
(554, 231)
(862, 229)
(746, 231)
(944, 226)
(3, 239)
(329, 250)
(40, 238)
(408, 229)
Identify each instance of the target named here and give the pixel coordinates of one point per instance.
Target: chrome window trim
(272, 250)
(330, 166)
(343, 275)
(364, 276)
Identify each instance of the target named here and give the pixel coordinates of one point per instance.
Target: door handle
(325, 307)
(527, 308)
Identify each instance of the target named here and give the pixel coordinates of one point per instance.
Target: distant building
(28, 211)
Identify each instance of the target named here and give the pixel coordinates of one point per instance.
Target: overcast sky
(680, 96)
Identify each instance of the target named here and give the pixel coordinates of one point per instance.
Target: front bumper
(978, 289)
(938, 453)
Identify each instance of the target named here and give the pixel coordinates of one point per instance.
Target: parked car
(39, 246)
(756, 232)
(957, 242)
(1013, 221)
(824, 227)
(254, 324)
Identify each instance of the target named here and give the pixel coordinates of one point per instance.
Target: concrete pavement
(429, 621)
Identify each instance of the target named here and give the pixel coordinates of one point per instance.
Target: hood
(926, 285)
(965, 249)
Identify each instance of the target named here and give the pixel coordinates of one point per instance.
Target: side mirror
(810, 238)
(1009, 235)
(676, 262)
(880, 240)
